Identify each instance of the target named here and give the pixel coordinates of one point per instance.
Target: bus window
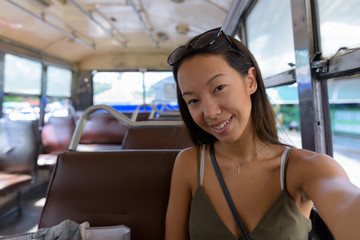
(339, 25)
(57, 107)
(141, 88)
(21, 75)
(58, 92)
(344, 99)
(21, 108)
(266, 26)
(22, 87)
(58, 82)
(109, 89)
(285, 101)
(160, 88)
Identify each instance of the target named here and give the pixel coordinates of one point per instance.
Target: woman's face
(217, 96)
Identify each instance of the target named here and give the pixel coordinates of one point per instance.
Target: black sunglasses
(204, 40)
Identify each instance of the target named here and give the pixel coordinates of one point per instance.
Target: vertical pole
(313, 97)
(43, 100)
(2, 76)
(143, 70)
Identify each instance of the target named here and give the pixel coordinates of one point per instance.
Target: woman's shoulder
(187, 158)
(308, 163)
(190, 154)
(187, 155)
(189, 150)
(308, 171)
(186, 167)
(304, 156)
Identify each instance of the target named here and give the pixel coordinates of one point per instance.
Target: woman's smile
(222, 127)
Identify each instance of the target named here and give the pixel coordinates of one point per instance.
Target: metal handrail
(119, 116)
(164, 108)
(153, 111)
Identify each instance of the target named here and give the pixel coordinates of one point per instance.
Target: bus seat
(166, 138)
(141, 116)
(19, 149)
(102, 128)
(122, 120)
(320, 230)
(56, 134)
(19, 146)
(55, 138)
(129, 187)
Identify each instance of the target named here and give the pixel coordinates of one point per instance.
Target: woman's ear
(251, 80)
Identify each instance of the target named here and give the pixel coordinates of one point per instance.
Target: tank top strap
(283, 167)
(201, 164)
(198, 161)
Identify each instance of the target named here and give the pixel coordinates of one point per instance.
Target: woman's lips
(221, 128)
(222, 125)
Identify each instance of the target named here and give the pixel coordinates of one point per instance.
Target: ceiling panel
(78, 29)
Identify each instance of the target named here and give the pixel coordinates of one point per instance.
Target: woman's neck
(241, 152)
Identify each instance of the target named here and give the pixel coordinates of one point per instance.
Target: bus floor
(32, 201)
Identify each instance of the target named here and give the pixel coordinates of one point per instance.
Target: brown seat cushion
(11, 182)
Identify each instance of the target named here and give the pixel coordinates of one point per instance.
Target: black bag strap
(227, 195)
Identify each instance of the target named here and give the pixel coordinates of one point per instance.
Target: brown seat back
(19, 146)
(111, 188)
(56, 134)
(157, 138)
(102, 128)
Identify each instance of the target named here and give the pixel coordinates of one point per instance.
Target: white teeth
(222, 125)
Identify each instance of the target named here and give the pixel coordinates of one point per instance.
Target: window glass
(238, 34)
(58, 82)
(270, 36)
(58, 107)
(126, 90)
(22, 75)
(344, 99)
(21, 108)
(160, 88)
(285, 102)
(339, 25)
(121, 90)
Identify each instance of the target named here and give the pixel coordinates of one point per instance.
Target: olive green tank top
(283, 220)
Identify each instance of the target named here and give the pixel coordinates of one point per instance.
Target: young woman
(240, 181)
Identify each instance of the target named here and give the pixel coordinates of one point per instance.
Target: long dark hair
(240, 58)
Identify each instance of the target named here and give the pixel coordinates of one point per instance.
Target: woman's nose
(211, 110)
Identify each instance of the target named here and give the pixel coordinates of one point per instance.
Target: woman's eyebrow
(186, 93)
(213, 78)
(207, 83)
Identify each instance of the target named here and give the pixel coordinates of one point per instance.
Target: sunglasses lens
(176, 55)
(206, 39)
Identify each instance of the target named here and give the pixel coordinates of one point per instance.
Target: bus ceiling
(111, 34)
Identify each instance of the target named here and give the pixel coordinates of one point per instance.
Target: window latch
(320, 66)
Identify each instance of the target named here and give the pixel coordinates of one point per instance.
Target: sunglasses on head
(204, 40)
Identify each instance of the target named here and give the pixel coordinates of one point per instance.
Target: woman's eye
(218, 88)
(192, 101)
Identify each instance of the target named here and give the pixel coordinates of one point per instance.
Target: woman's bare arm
(336, 199)
(177, 216)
